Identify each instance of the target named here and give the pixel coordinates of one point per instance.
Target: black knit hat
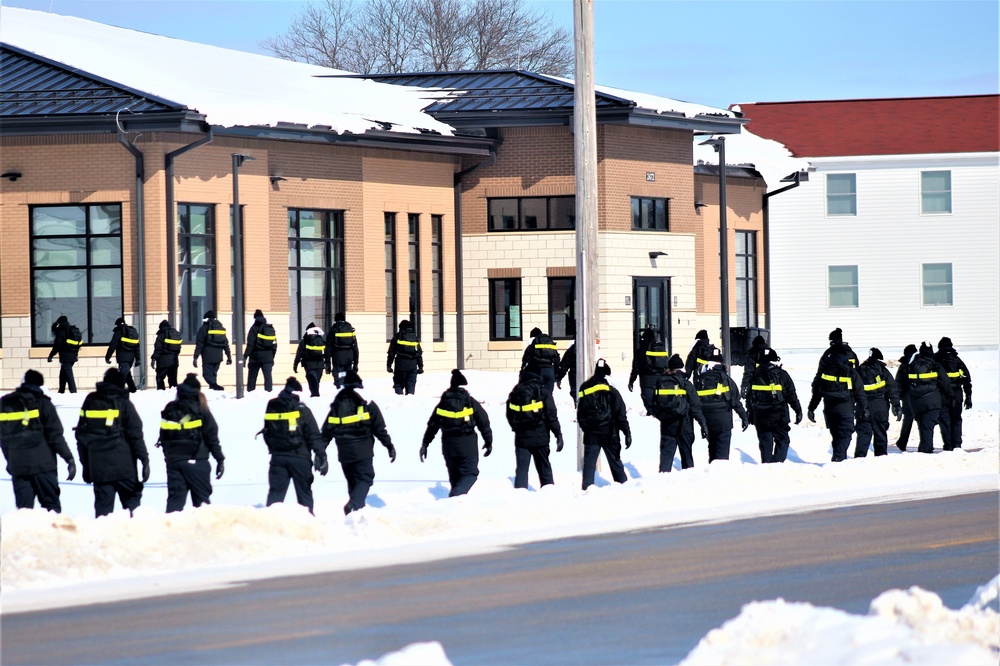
(257, 313)
(926, 347)
(457, 378)
(405, 324)
(759, 341)
(648, 335)
(909, 350)
(190, 383)
(876, 354)
(293, 384)
(352, 380)
(209, 314)
(701, 335)
(602, 369)
(945, 343)
(836, 335)
(114, 377)
(675, 362)
(339, 316)
(771, 355)
(33, 378)
(164, 324)
(120, 321)
(535, 332)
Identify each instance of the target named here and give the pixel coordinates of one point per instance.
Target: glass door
(651, 308)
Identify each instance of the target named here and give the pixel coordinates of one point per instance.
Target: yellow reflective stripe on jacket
(533, 406)
(879, 383)
(718, 390)
(291, 417)
(129, 340)
(671, 391)
(544, 346)
(362, 415)
(464, 414)
(956, 375)
(593, 389)
(168, 341)
(216, 331)
(109, 415)
(315, 347)
(407, 343)
(267, 337)
(74, 342)
(23, 417)
(924, 375)
(831, 378)
(181, 425)
(349, 334)
(656, 353)
(765, 387)
(702, 361)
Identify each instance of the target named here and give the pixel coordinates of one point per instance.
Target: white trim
(918, 161)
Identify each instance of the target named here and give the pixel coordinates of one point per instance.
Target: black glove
(811, 414)
(145, 471)
(423, 453)
(322, 464)
(220, 469)
(420, 371)
(968, 402)
(229, 361)
(295, 367)
(704, 434)
(195, 362)
(628, 440)
(354, 368)
(798, 417)
(487, 449)
(108, 361)
(631, 385)
(392, 453)
(559, 383)
(896, 412)
(71, 469)
(329, 370)
(152, 364)
(388, 368)
(744, 424)
(559, 444)
(866, 415)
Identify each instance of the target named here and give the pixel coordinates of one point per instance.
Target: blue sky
(709, 52)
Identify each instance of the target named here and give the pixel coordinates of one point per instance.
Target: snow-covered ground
(53, 560)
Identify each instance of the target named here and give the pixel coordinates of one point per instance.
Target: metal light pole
(720, 147)
(238, 308)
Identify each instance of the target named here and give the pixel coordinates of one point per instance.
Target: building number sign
(650, 176)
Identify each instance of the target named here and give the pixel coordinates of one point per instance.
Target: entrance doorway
(651, 307)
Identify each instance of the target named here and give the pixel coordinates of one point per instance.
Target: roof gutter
(140, 232)
(797, 178)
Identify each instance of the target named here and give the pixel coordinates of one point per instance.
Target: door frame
(665, 323)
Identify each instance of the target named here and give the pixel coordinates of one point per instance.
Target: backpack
(656, 357)
(266, 338)
(100, 422)
(315, 347)
(129, 339)
(670, 399)
(20, 422)
(407, 344)
(74, 338)
(953, 366)
(180, 429)
(281, 429)
(343, 335)
(172, 341)
(713, 388)
(349, 418)
(545, 352)
(922, 376)
(455, 410)
(871, 378)
(216, 334)
(835, 381)
(525, 406)
(765, 388)
(593, 411)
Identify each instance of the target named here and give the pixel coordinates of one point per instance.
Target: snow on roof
(664, 104)
(231, 88)
(771, 159)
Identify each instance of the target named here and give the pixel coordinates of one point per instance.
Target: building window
(390, 276)
(843, 282)
(505, 309)
(935, 192)
(437, 279)
(937, 284)
(562, 307)
(532, 213)
(315, 268)
(195, 265)
(650, 214)
(841, 194)
(232, 255)
(746, 278)
(413, 281)
(76, 270)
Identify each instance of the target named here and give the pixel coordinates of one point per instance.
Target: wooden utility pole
(585, 154)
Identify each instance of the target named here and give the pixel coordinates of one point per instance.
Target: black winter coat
(619, 417)
(342, 354)
(768, 417)
(122, 351)
(310, 359)
(208, 433)
(166, 347)
(458, 435)
(68, 353)
(109, 453)
(640, 367)
(360, 445)
(855, 403)
(406, 357)
(567, 365)
(941, 391)
(533, 437)
(693, 400)
(301, 442)
(699, 352)
(880, 388)
(959, 376)
(253, 351)
(210, 352)
(719, 398)
(34, 450)
(544, 357)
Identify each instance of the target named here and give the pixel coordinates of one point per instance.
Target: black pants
(904, 429)
(168, 373)
(718, 442)
(313, 377)
(773, 441)
(44, 486)
(950, 421)
(676, 434)
(548, 374)
(66, 378)
(126, 370)
(210, 371)
(404, 382)
(339, 372)
(523, 458)
(592, 447)
(252, 368)
(463, 471)
(129, 491)
(183, 476)
(290, 468)
(646, 393)
(841, 427)
(876, 427)
(926, 421)
(360, 476)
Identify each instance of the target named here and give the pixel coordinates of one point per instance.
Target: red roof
(903, 126)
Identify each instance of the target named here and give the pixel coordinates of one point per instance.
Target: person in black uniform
(675, 405)
(166, 355)
(125, 346)
(531, 414)
(188, 434)
(567, 367)
(929, 391)
(771, 392)
(601, 415)
(457, 416)
(355, 423)
(310, 353)
(842, 391)
(31, 435)
(291, 433)
(750, 364)
(262, 344)
(836, 348)
(405, 351)
(700, 351)
(649, 363)
(210, 343)
(67, 343)
(904, 430)
(960, 379)
(882, 394)
(719, 399)
(109, 440)
(341, 349)
(542, 353)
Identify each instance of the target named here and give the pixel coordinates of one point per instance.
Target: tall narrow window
(505, 309)
(562, 307)
(315, 268)
(746, 278)
(843, 285)
(650, 214)
(935, 192)
(937, 284)
(76, 270)
(841, 194)
(390, 276)
(437, 280)
(413, 281)
(232, 254)
(195, 265)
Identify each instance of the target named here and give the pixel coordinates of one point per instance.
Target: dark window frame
(493, 313)
(520, 224)
(746, 285)
(413, 269)
(437, 276)
(190, 332)
(392, 288)
(553, 288)
(332, 239)
(637, 214)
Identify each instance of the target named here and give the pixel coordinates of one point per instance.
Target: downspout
(459, 268)
(171, 235)
(797, 180)
(140, 230)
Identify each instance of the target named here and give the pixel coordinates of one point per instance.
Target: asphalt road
(635, 598)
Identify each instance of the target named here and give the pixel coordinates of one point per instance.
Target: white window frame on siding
(840, 197)
(946, 286)
(939, 196)
(854, 289)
